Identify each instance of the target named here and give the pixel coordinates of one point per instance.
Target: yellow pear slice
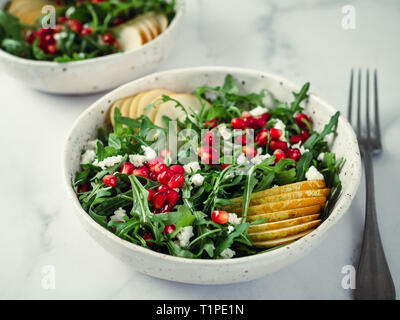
(130, 37)
(277, 242)
(286, 214)
(134, 106)
(125, 106)
(117, 104)
(284, 232)
(282, 224)
(162, 21)
(151, 23)
(149, 97)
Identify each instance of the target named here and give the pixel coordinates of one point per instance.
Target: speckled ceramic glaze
(92, 75)
(212, 271)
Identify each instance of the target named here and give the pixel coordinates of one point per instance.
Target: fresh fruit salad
(80, 29)
(213, 174)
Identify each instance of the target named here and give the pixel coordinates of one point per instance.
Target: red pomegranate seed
(148, 237)
(165, 152)
(167, 208)
(162, 188)
(246, 114)
(305, 134)
(225, 165)
(176, 181)
(262, 137)
(141, 172)
(151, 194)
(169, 229)
(250, 122)
(160, 168)
(209, 139)
(242, 140)
(84, 188)
(52, 48)
(205, 149)
(172, 197)
(75, 25)
(110, 180)
(153, 176)
(86, 31)
(62, 19)
(159, 199)
(260, 122)
(220, 216)
(279, 154)
(275, 133)
(211, 124)
(127, 168)
(210, 158)
(152, 163)
(276, 144)
(266, 116)
(294, 154)
(296, 139)
(165, 176)
(299, 120)
(108, 38)
(249, 151)
(176, 168)
(238, 123)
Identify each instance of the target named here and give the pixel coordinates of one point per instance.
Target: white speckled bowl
(211, 271)
(93, 75)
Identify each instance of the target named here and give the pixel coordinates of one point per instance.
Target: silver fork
(373, 278)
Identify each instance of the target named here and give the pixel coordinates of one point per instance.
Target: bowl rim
(180, 6)
(291, 248)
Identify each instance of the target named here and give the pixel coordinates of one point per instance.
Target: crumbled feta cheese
(81, 55)
(191, 166)
(197, 180)
(119, 215)
(224, 131)
(184, 236)
(227, 253)
(314, 174)
(260, 158)
(230, 229)
(149, 153)
(300, 147)
(108, 162)
(258, 111)
(137, 160)
(60, 35)
(275, 186)
(88, 156)
(242, 159)
(234, 219)
(281, 126)
(321, 156)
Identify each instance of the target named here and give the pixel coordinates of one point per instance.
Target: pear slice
(134, 106)
(117, 104)
(277, 242)
(149, 97)
(151, 23)
(130, 37)
(282, 224)
(286, 214)
(126, 106)
(162, 21)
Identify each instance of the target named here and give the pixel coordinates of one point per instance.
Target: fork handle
(373, 278)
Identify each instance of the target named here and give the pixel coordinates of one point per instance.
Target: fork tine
(359, 105)
(377, 126)
(350, 108)
(367, 106)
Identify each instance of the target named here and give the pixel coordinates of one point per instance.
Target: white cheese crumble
(119, 215)
(224, 131)
(88, 156)
(242, 159)
(227, 253)
(108, 162)
(234, 219)
(230, 229)
(191, 166)
(300, 147)
(137, 160)
(321, 156)
(258, 111)
(314, 174)
(184, 236)
(197, 180)
(260, 158)
(149, 153)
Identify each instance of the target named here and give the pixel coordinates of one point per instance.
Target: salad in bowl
(216, 173)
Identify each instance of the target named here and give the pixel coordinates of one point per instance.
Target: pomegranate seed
(294, 154)
(165, 152)
(225, 166)
(274, 145)
(305, 134)
(169, 229)
(148, 237)
(262, 137)
(209, 139)
(141, 172)
(108, 38)
(242, 140)
(127, 168)
(211, 124)
(220, 216)
(75, 25)
(246, 114)
(117, 21)
(165, 176)
(249, 122)
(110, 180)
(205, 149)
(86, 31)
(62, 19)
(275, 133)
(160, 168)
(296, 139)
(279, 154)
(151, 194)
(49, 38)
(84, 188)
(210, 158)
(52, 48)
(266, 116)
(176, 168)
(152, 163)
(176, 181)
(167, 208)
(153, 176)
(260, 122)
(299, 120)
(163, 188)
(159, 199)
(238, 123)
(172, 197)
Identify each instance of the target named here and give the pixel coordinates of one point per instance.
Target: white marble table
(302, 42)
